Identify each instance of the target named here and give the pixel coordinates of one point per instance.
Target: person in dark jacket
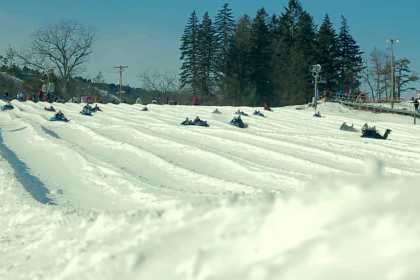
(416, 104)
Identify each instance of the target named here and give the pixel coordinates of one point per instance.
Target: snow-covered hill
(127, 194)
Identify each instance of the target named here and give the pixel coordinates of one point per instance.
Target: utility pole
(121, 70)
(392, 42)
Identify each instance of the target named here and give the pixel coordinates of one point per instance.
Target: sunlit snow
(133, 195)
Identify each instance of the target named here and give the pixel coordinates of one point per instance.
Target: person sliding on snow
(416, 104)
(59, 116)
(267, 107)
(346, 127)
(7, 106)
(87, 110)
(199, 122)
(50, 109)
(238, 122)
(371, 132)
(187, 122)
(258, 113)
(96, 108)
(240, 113)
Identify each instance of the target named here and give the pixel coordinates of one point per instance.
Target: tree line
(267, 59)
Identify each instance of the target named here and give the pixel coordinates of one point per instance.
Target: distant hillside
(15, 79)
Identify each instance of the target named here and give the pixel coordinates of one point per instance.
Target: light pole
(392, 42)
(316, 70)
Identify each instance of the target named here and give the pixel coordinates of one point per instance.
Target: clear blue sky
(145, 34)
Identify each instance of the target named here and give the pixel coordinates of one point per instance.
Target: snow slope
(127, 194)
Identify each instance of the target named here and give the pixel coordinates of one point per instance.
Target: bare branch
(65, 47)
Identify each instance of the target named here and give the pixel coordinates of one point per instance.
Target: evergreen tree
(238, 86)
(260, 58)
(306, 44)
(268, 59)
(404, 76)
(287, 24)
(206, 55)
(189, 75)
(328, 52)
(350, 59)
(224, 29)
(294, 52)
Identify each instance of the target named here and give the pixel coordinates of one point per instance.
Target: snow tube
(258, 113)
(240, 113)
(238, 123)
(198, 122)
(7, 107)
(86, 113)
(372, 133)
(51, 109)
(58, 119)
(346, 127)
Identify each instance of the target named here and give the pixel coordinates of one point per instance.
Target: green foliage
(260, 58)
(294, 53)
(350, 60)
(328, 56)
(268, 59)
(224, 31)
(189, 55)
(206, 55)
(239, 68)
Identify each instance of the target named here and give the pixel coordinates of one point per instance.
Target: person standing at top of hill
(416, 104)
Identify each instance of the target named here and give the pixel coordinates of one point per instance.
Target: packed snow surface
(127, 194)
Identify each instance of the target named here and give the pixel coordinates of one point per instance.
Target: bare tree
(367, 77)
(64, 47)
(163, 83)
(379, 72)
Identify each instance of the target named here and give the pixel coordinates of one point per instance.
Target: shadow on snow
(31, 183)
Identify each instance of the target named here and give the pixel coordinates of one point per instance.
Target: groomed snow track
(129, 194)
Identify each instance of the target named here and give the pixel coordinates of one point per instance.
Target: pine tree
(260, 58)
(288, 22)
(404, 76)
(189, 55)
(328, 52)
(224, 29)
(306, 44)
(206, 55)
(350, 59)
(238, 87)
(294, 49)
